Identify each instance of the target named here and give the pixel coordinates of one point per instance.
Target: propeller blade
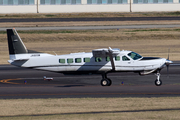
(168, 54)
(168, 63)
(167, 71)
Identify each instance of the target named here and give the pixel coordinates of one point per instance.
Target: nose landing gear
(158, 82)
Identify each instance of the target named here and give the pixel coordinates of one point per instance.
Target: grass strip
(47, 31)
(162, 108)
(89, 31)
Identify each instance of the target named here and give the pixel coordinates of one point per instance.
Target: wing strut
(104, 52)
(111, 58)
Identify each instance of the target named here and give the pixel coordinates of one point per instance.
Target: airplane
(99, 61)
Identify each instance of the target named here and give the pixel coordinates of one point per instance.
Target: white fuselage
(85, 62)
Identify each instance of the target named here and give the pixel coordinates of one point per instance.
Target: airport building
(70, 6)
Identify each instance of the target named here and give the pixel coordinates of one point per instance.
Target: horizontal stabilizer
(24, 59)
(14, 60)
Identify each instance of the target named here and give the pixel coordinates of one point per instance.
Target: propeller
(168, 62)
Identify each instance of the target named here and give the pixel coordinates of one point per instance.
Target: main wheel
(110, 82)
(106, 82)
(158, 83)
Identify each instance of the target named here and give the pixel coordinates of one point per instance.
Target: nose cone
(168, 62)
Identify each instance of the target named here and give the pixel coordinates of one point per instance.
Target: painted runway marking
(8, 81)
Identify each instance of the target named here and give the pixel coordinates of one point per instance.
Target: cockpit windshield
(134, 55)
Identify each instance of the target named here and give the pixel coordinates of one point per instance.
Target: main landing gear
(105, 81)
(158, 82)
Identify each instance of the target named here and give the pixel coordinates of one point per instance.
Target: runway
(124, 84)
(6, 20)
(88, 19)
(94, 27)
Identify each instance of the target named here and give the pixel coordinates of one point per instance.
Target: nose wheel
(158, 82)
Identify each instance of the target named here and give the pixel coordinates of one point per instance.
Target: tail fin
(18, 53)
(15, 44)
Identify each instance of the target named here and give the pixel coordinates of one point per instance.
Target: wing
(104, 52)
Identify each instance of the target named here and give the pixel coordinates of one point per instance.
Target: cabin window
(86, 59)
(134, 55)
(117, 58)
(69, 60)
(108, 59)
(77, 60)
(61, 60)
(98, 59)
(124, 58)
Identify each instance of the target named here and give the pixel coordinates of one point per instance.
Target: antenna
(55, 53)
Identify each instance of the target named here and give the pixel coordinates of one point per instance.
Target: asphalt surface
(12, 84)
(94, 27)
(6, 20)
(87, 19)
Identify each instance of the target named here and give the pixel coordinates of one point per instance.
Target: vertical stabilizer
(15, 44)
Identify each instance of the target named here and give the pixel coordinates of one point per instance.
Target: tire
(158, 83)
(104, 82)
(110, 82)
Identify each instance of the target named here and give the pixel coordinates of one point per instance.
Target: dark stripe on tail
(15, 44)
